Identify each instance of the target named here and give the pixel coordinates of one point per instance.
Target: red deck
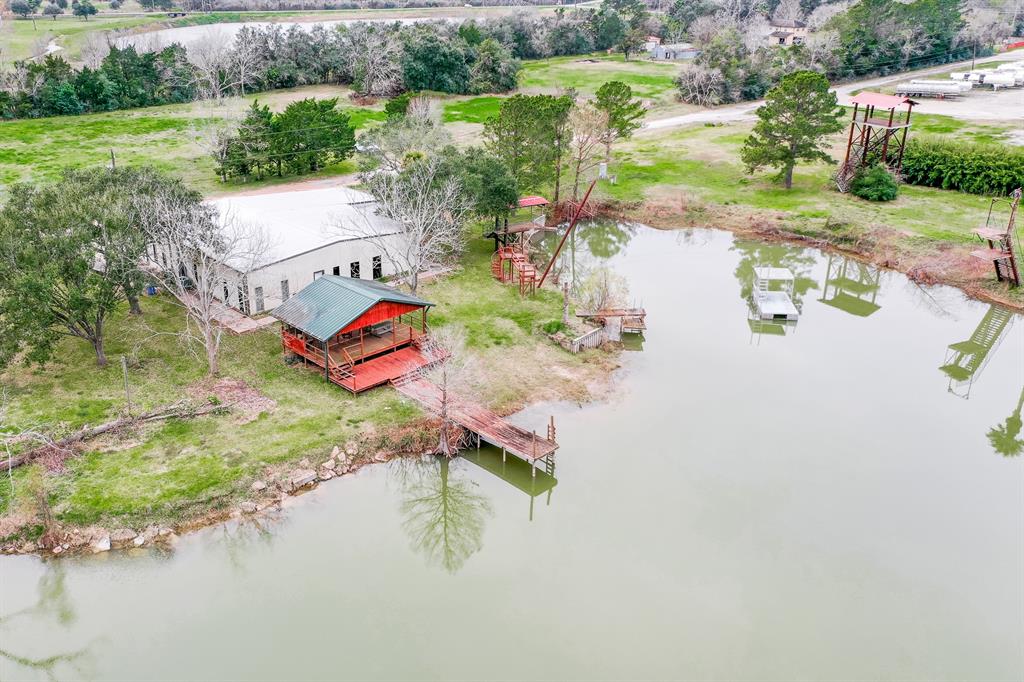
(382, 369)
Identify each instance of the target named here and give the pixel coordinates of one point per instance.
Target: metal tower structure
(874, 136)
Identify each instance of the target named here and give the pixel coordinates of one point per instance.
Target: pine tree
(797, 116)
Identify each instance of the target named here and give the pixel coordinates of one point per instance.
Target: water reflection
(1005, 438)
(517, 473)
(444, 514)
(587, 247)
(760, 254)
(53, 604)
(966, 360)
(851, 286)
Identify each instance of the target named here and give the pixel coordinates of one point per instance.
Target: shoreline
(947, 264)
(272, 491)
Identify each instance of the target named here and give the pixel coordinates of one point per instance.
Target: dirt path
(1005, 105)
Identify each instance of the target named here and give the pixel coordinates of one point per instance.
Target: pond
(225, 32)
(831, 500)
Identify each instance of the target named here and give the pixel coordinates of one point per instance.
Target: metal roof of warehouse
(331, 303)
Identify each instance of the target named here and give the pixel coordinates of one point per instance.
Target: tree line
(376, 59)
(845, 41)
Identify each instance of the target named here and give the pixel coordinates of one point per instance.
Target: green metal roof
(331, 303)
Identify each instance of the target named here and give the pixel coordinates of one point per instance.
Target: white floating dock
(774, 304)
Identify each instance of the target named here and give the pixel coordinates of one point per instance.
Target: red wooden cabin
(361, 333)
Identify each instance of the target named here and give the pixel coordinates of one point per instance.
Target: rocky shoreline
(267, 494)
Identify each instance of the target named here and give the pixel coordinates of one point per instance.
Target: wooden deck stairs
(511, 264)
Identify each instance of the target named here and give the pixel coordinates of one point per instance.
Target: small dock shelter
(361, 333)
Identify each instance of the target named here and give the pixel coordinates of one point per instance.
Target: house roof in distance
(330, 303)
(787, 23)
(300, 221)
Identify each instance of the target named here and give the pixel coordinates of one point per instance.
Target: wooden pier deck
(490, 427)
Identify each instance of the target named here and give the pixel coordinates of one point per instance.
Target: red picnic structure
(875, 137)
(361, 333)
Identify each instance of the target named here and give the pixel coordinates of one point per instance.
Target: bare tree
(213, 75)
(198, 255)
(822, 49)
(700, 85)
(95, 48)
(390, 147)
(427, 207)
(589, 128)
(214, 134)
(788, 10)
(822, 14)
(455, 373)
(375, 53)
(246, 57)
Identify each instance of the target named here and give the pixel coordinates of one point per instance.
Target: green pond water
(816, 502)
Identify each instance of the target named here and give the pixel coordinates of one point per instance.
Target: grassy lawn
(702, 163)
(473, 110)
(650, 80)
(169, 472)
(19, 38)
(167, 137)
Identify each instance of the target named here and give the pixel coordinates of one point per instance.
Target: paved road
(1005, 105)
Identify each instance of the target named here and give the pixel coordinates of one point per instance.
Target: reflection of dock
(851, 286)
(516, 473)
(966, 360)
(773, 294)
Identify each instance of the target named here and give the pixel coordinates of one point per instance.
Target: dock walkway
(489, 426)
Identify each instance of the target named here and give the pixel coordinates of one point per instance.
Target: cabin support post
(327, 359)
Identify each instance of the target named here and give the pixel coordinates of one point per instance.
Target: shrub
(553, 327)
(963, 166)
(874, 183)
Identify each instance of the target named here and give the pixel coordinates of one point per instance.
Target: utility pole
(974, 55)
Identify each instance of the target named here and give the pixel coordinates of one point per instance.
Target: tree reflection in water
(443, 513)
(53, 603)
(1005, 438)
(754, 254)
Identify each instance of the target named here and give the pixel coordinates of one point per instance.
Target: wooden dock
(485, 424)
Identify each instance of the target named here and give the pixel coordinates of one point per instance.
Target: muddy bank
(923, 261)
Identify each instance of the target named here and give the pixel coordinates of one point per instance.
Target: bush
(874, 183)
(965, 167)
(553, 327)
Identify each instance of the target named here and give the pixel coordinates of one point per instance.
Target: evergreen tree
(615, 98)
(797, 116)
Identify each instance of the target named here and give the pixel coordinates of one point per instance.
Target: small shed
(674, 52)
(361, 333)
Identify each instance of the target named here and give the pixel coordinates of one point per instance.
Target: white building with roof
(309, 233)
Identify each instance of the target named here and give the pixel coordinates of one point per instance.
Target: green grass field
(650, 80)
(168, 137)
(702, 163)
